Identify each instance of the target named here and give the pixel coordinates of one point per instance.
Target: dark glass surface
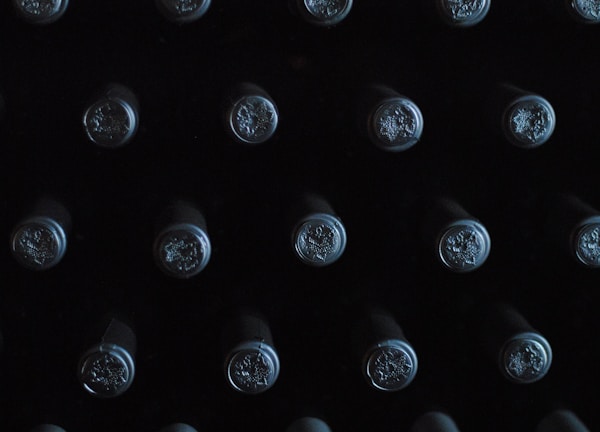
(180, 75)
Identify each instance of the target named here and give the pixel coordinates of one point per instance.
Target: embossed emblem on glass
(526, 358)
(587, 11)
(319, 239)
(463, 13)
(464, 246)
(324, 12)
(183, 11)
(391, 365)
(253, 119)
(40, 11)
(529, 121)
(396, 124)
(112, 120)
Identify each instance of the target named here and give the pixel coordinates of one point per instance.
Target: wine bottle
(388, 361)
(47, 428)
(526, 119)
(574, 225)
(434, 421)
(178, 427)
(318, 235)
(107, 368)
(463, 13)
(39, 240)
(320, 13)
(391, 121)
(459, 241)
(561, 421)
(40, 12)
(251, 362)
(584, 11)
(308, 424)
(250, 114)
(521, 352)
(183, 11)
(111, 119)
(182, 246)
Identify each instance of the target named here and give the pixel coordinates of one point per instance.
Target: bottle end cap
(396, 124)
(526, 358)
(529, 121)
(253, 119)
(319, 239)
(253, 368)
(326, 12)
(390, 365)
(106, 371)
(182, 251)
(464, 13)
(110, 122)
(39, 243)
(464, 246)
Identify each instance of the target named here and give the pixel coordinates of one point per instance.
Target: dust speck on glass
(389, 368)
(588, 245)
(525, 360)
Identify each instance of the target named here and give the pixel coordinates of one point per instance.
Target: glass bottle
(321, 13)
(522, 353)
(39, 240)
(463, 13)
(182, 246)
(111, 119)
(318, 236)
(561, 420)
(390, 120)
(107, 368)
(251, 361)
(434, 421)
(459, 241)
(388, 361)
(251, 115)
(40, 12)
(183, 11)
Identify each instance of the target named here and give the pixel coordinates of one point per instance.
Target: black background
(180, 73)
